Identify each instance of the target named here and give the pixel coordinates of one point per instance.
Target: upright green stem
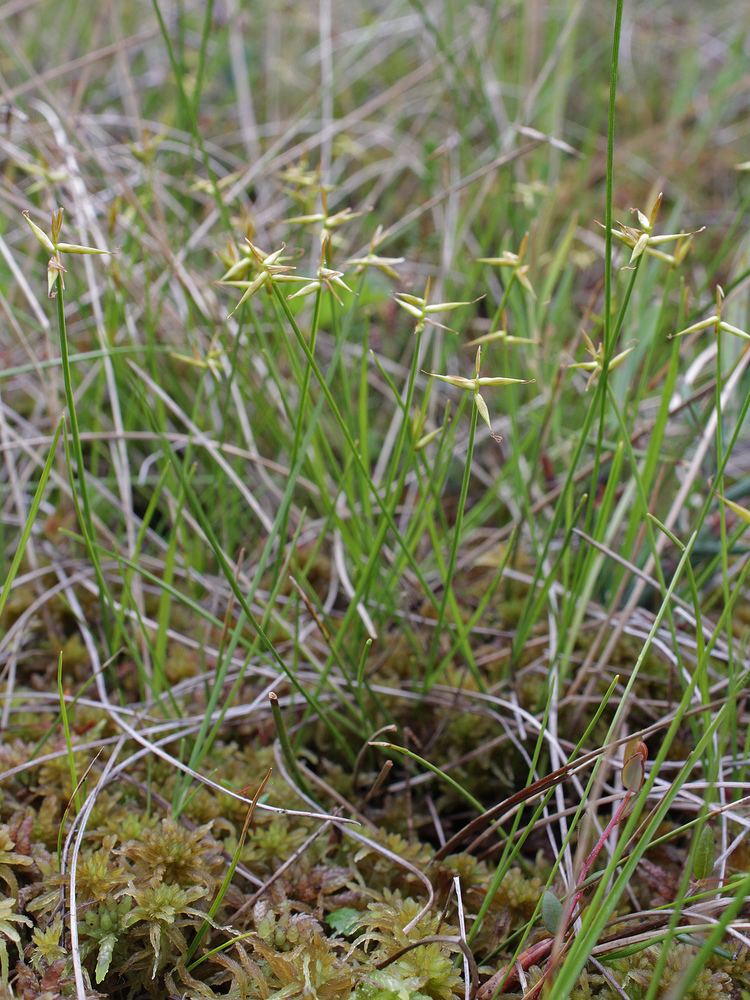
(286, 746)
(77, 798)
(502, 303)
(386, 516)
(608, 340)
(720, 483)
(87, 519)
(352, 444)
(299, 427)
(88, 525)
(448, 588)
(613, 67)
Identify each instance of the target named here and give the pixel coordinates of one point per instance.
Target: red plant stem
(595, 852)
(537, 952)
(508, 976)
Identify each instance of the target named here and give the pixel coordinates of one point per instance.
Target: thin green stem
(451, 569)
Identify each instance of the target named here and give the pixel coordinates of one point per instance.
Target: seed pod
(634, 764)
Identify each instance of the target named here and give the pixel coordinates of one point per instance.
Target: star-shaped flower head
(56, 249)
(596, 365)
(714, 321)
(642, 240)
(299, 180)
(327, 279)
(328, 222)
(372, 259)
(473, 385)
(423, 310)
(519, 270)
(269, 268)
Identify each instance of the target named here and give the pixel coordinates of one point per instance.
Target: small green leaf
(551, 911)
(705, 851)
(103, 959)
(344, 920)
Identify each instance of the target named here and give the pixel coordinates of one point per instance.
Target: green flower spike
(473, 385)
(55, 249)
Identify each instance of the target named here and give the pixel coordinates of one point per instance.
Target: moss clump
(173, 853)
(636, 973)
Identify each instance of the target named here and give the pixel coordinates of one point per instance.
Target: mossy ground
(310, 911)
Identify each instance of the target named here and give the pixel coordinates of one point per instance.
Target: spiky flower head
(424, 311)
(56, 249)
(514, 261)
(327, 280)
(473, 385)
(596, 365)
(328, 221)
(641, 239)
(269, 269)
(715, 321)
(373, 259)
